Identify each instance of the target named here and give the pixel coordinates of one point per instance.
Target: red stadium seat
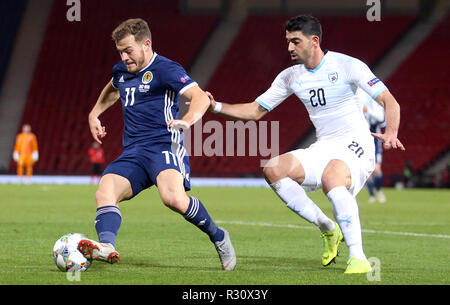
(421, 87)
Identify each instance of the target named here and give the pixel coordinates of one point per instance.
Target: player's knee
(104, 197)
(274, 171)
(176, 202)
(273, 174)
(336, 174)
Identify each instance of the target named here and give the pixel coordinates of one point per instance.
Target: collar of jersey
(318, 67)
(151, 61)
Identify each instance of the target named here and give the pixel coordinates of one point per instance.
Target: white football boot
(226, 252)
(380, 196)
(98, 251)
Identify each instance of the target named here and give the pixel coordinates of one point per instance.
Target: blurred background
(54, 61)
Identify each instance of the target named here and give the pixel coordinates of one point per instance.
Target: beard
(138, 64)
(300, 59)
(296, 60)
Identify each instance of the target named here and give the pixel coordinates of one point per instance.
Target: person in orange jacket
(26, 151)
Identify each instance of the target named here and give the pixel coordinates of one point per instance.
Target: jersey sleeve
(177, 78)
(115, 77)
(277, 93)
(361, 75)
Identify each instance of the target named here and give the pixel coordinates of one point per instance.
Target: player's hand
(178, 124)
(212, 101)
(35, 156)
(16, 156)
(97, 130)
(389, 141)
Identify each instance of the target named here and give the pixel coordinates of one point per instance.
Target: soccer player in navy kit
(149, 86)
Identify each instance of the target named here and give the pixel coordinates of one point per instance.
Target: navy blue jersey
(150, 99)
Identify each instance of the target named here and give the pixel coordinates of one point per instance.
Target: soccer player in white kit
(343, 157)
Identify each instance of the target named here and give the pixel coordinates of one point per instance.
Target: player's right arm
(279, 90)
(362, 76)
(251, 111)
(107, 98)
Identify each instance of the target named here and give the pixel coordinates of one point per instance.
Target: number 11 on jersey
(128, 90)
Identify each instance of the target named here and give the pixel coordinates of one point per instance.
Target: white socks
(296, 199)
(346, 213)
(345, 210)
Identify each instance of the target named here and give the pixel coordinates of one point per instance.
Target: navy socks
(197, 215)
(107, 224)
(378, 182)
(108, 220)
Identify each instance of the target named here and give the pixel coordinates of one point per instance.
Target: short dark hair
(307, 24)
(136, 27)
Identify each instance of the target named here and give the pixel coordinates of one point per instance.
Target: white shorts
(358, 153)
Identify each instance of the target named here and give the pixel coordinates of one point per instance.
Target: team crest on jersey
(333, 77)
(147, 78)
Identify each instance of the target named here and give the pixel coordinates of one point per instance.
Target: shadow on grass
(244, 263)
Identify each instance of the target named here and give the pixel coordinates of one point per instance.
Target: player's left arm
(198, 105)
(392, 117)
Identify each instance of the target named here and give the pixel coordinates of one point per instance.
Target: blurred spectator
(407, 174)
(97, 159)
(26, 152)
(446, 176)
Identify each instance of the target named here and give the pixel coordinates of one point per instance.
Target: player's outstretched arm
(245, 111)
(392, 115)
(107, 98)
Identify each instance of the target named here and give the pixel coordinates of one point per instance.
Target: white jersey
(328, 93)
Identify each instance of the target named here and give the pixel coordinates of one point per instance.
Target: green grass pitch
(408, 236)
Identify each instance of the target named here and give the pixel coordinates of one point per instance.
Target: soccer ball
(66, 254)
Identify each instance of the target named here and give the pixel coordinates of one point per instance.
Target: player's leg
(29, 168)
(20, 168)
(285, 174)
(112, 190)
(378, 183)
(370, 187)
(377, 173)
(170, 185)
(336, 181)
(171, 189)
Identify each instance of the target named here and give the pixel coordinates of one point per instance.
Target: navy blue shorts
(141, 164)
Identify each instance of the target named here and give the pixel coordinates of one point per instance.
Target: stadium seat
(420, 85)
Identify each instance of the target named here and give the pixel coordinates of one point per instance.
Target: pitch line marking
(265, 224)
